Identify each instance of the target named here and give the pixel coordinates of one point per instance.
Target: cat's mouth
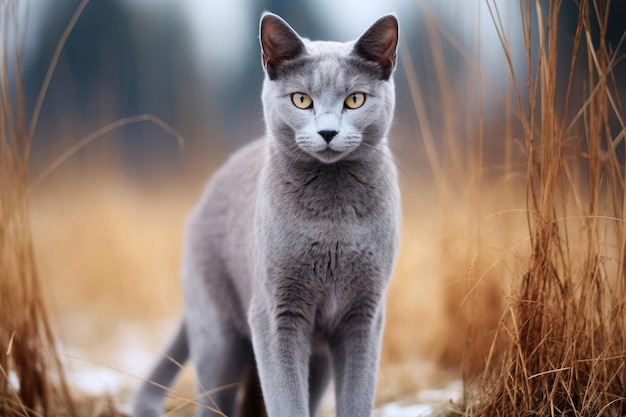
(330, 155)
(327, 152)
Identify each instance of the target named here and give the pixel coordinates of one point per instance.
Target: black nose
(328, 135)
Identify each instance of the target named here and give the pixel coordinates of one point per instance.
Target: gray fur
(290, 250)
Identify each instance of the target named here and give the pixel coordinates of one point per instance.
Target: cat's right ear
(279, 43)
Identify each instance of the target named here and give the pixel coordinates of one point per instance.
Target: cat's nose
(328, 135)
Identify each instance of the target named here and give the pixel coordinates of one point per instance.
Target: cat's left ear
(279, 43)
(379, 44)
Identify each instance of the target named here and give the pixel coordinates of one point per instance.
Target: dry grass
(561, 348)
(533, 307)
(480, 238)
(32, 381)
(28, 361)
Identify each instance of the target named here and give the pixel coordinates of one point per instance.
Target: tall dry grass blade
(29, 363)
(566, 347)
(470, 264)
(420, 111)
(60, 160)
(52, 66)
(454, 154)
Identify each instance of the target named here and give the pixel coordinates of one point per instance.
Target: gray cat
(290, 250)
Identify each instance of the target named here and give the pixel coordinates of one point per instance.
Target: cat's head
(328, 100)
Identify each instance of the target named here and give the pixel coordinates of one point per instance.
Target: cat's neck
(350, 187)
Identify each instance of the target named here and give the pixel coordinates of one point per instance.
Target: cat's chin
(329, 156)
(327, 153)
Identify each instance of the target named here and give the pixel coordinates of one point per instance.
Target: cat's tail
(149, 399)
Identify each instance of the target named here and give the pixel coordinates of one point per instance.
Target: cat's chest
(331, 243)
(333, 202)
(339, 264)
(340, 273)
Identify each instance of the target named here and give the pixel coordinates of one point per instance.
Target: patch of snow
(427, 402)
(96, 381)
(396, 410)
(125, 408)
(14, 380)
(452, 392)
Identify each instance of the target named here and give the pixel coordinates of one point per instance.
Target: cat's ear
(379, 44)
(279, 43)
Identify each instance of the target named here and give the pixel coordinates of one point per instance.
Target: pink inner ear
(388, 47)
(278, 41)
(379, 44)
(268, 29)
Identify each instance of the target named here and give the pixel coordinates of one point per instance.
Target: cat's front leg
(281, 343)
(355, 350)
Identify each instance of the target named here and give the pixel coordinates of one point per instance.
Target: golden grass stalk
(564, 350)
(477, 225)
(29, 365)
(31, 376)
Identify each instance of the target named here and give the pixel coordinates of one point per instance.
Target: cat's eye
(354, 100)
(302, 101)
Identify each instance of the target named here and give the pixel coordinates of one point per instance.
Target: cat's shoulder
(233, 184)
(239, 170)
(246, 161)
(249, 155)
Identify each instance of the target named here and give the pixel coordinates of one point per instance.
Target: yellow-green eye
(302, 101)
(355, 100)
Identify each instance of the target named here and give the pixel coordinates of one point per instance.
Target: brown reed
(29, 365)
(564, 327)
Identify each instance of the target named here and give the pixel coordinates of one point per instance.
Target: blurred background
(196, 65)
(108, 223)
